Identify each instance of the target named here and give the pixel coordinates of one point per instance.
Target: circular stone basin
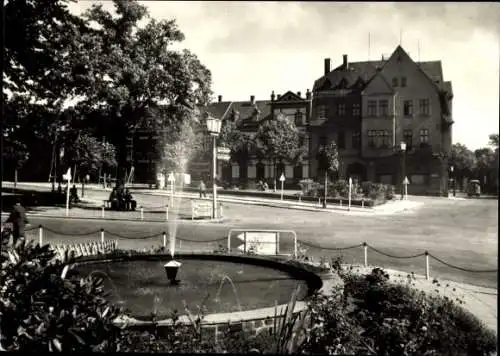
(217, 282)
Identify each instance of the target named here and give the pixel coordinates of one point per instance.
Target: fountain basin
(171, 268)
(221, 283)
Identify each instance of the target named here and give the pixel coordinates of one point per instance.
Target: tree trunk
(15, 177)
(326, 184)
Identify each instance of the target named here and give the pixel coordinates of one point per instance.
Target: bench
(132, 204)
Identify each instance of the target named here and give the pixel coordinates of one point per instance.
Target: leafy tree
(278, 140)
(241, 144)
(328, 159)
(494, 140)
(129, 69)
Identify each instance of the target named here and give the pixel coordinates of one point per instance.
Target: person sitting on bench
(130, 203)
(113, 198)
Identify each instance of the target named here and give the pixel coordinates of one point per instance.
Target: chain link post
(102, 211)
(164, 239)
(142, 213)
(365, 247)
(426, 265)
(102, 235)
(40, 235)
(166, 212)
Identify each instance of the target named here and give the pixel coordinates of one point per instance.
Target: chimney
(308, 94)
(272, 96)
(298, 93)
(327, 66)
(220, 98)
(252, 99)
(345, 62)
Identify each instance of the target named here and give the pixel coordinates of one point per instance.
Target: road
(460, 232)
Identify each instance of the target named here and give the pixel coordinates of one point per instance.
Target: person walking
(18, 220)
(203, 189)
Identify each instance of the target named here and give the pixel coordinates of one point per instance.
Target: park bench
(132, 203)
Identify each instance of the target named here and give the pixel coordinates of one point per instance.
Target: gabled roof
(433, 69)
(289, 96)
(248, 115)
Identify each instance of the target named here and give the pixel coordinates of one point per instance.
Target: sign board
(223, 150)
(261, 243)
(67, 176)
(406, 181)
(282, 178)
(223, 157)
(171, 178)
(201, 209)
(187, 178)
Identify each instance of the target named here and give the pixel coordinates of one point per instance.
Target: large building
(247, 116)
(369, 108)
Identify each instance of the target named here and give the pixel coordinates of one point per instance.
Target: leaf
(57, 344)
(74, 333)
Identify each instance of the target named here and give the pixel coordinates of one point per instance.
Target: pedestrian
(73, 194)
(18, 220)
(203, 189)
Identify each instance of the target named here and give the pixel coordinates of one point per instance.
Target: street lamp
(453, 180)
(213, 126)
(402, 146)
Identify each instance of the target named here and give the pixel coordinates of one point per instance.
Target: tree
(278, 140)
(241, 144)
(463, 161)
(494, 140)
(328, 159)
(129, 69)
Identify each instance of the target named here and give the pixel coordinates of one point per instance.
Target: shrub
(377, 191)
(42, 311)
(310, 188)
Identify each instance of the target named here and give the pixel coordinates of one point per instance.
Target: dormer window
(394, 82)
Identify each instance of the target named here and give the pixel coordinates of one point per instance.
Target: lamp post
(213, 126)
(453, 180)
(402, 146)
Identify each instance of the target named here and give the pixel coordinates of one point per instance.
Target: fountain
(224, 278)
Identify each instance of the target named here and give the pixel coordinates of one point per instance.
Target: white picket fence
(85, 249)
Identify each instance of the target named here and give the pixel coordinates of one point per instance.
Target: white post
(228, 243)
(406, 191)
(166, 212)
(67, 199)
(220, 210)
(426, 265)
(164, 239)
(282, 180)
(277, 243)
(102, 235)
(350, 189)
(214, 175)
(40, 235)
(282, 184)
(362, 202)
(102, 212)
(341, 203)
(142, 213)
(365, 246)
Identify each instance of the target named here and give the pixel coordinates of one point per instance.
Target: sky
(253, 48)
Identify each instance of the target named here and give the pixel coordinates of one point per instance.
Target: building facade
(369, 108)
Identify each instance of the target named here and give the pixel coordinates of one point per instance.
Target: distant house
(369, 108)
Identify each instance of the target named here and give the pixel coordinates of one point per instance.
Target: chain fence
(41, 229)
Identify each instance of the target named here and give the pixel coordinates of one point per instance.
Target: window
(355, 109)
(321, 112)
(372, 108)
(298, 118)
(424, 107)
(394, 82)
(383, 106)
(322, 141)
(408, 139)
(356, 140)
(424, 136)
(371, 138)
(408, 108)
(341, 140)
(403, 81)
(385, 139)
(341, 109)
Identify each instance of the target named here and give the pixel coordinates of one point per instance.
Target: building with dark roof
(368, 108)
(248, 115)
